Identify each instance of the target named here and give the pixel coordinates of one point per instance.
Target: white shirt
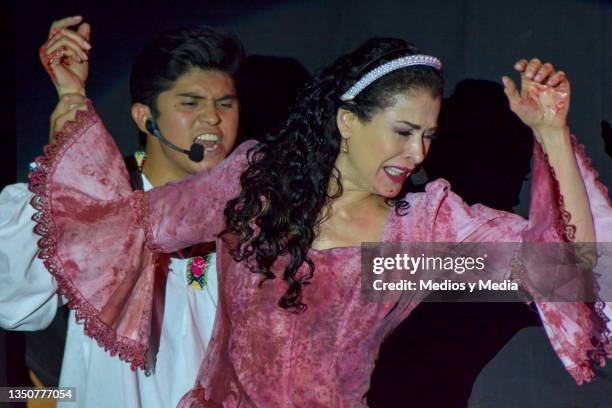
(28, 302)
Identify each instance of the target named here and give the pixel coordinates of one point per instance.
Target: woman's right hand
(64, 55)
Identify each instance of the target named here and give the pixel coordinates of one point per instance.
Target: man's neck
(158, 171)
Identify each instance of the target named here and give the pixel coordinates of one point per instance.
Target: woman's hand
(544, 98)
(65, 111)
(542, 104)
(65, 55)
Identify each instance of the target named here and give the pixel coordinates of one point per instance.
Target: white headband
(388, 67)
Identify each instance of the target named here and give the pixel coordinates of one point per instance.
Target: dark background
(474, 39)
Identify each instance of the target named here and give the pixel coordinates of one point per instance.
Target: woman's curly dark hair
(287, 186)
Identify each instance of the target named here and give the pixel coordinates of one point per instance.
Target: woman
(301, 202)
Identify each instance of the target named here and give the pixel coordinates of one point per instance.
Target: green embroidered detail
(197, 271)
(140, 157)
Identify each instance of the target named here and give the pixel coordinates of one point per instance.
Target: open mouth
(397, 174)
(210, 141)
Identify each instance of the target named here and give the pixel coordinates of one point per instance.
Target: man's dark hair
(175, 52)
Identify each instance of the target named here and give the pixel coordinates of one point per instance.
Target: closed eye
(226, 104)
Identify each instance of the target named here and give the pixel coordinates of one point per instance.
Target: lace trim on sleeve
(601, 346)
(581, 152)
(563, 227)
(599, 305)
(127, 349)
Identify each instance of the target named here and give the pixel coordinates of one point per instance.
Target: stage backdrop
(474, 39)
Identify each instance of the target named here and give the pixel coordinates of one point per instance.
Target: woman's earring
(345, 148)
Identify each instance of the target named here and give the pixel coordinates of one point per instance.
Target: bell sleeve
(101, 241)
(576, 329)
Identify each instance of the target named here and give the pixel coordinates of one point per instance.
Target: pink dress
(101, 242)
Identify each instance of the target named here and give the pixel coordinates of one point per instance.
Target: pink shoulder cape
(97, 241)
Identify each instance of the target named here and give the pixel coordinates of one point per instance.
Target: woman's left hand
(544, 98)
(65, 55)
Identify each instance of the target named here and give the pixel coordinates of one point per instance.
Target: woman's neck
(352, 203)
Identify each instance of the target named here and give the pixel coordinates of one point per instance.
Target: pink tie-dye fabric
(100, 242)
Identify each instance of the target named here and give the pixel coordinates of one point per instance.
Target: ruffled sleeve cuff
(601, 208)
(577, 329)
(93, 231)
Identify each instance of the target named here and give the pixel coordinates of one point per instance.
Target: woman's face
(384, 151)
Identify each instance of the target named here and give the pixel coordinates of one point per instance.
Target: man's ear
(140, 114)
(346, 122)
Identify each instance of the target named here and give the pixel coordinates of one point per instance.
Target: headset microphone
(195, 152)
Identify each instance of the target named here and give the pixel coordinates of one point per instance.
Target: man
(185, 105)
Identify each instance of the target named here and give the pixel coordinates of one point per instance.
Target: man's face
(201, 107)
